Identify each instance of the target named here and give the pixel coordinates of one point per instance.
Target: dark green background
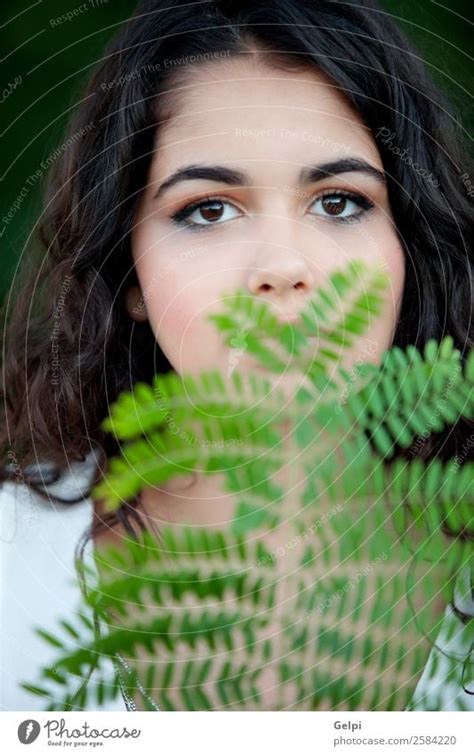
(55, 61)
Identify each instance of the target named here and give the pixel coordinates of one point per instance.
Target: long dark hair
(70, 293)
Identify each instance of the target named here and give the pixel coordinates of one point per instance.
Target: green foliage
(329, 599)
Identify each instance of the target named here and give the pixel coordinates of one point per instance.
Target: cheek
(381, 250)
(179, 287)
(379, 247)
(394, 264)
(177, 311)
(381, 332)
(174, 321)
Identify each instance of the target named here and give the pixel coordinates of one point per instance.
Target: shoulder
(38, 540)
(444, 685)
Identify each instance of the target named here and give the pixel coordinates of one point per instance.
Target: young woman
(223, 145)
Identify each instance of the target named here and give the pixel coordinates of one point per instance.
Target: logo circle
(28, 731)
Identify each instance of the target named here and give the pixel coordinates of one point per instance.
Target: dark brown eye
(341, 206)
(211, 210)
(206, 213)
(334, 205)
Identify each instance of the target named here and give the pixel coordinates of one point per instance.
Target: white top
(39, 586)
(38, 579)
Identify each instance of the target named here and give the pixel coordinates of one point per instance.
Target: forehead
(242, 108)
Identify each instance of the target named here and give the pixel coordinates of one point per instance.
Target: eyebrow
(233, 177)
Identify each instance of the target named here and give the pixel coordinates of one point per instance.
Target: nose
(285, 280)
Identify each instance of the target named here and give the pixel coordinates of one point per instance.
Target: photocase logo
(57, 733)
(28, 731)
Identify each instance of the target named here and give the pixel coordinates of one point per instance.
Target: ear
(135, 304)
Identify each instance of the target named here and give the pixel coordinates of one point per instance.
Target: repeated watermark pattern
(468, 185)
(10, 88)
(64, 290)
(432, 420)
(44, 165)
(75, 12)
(165, 65)
(300, 537)
(328, 602)
(186, 254)
(286, 133)
(31, 507)
(459, 458)
(387, 137)
(369, 350)
(190, 439)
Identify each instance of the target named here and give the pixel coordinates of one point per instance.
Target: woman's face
(271, 221)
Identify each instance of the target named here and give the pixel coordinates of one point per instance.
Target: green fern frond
(331, 602)
(413, 396)
(252, 323)
(160, 456)
(189, 398)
